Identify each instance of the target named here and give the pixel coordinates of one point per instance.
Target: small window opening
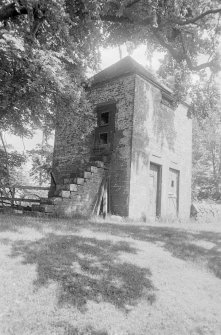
(104, 118)
(172, 183)
(103, 138)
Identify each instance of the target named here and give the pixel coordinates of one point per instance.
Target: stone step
(92, 169)
(73, 187)
(99, 164)
(79, 181)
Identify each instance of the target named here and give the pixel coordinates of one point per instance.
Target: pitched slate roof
(127, 66)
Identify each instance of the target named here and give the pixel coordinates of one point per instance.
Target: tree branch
(196, 18)
(6, 156)
(39, 17)
(181, 56)
(189, 62)
(130, 4)
(175, 54)
(11, 11)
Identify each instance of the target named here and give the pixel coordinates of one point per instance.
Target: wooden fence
(11, 200)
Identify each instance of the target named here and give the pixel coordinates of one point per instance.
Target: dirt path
(187, 297)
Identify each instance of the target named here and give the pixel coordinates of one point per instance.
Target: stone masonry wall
(163, 136)
(121, 92)
(72, 144)
(146, 130)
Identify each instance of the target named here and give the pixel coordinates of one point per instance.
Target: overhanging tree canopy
(45, 46)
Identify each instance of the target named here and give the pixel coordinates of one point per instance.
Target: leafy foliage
(207, 146)
(41, 158)
(42, 62)
(11, 163)
(46, 46)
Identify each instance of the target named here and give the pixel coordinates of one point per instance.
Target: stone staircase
(77, 194)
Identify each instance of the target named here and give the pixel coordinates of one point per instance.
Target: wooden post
(13, 196)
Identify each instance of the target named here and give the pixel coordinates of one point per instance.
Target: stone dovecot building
(137, 161)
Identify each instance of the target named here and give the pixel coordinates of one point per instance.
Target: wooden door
(154, 187)
(173, 192)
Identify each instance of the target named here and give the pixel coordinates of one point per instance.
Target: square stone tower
(143, 145)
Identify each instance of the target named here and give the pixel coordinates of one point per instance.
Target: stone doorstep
(73, 187)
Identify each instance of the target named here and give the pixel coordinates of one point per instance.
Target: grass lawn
(76, 277)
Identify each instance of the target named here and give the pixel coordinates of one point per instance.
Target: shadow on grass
(70, 330)
(86, 269)
(13, 223)
(179, 242)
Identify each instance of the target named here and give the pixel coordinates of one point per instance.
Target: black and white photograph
(110, 167)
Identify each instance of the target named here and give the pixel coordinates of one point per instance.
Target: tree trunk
(6, 155)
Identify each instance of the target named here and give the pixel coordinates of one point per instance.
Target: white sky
(109, 56)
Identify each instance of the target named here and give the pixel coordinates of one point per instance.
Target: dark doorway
(155, 190)
(173, 192)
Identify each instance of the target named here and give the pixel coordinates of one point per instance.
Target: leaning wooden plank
(105, 199)
(100, 198)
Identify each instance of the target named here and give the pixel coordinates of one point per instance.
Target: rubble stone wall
(119, 91)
